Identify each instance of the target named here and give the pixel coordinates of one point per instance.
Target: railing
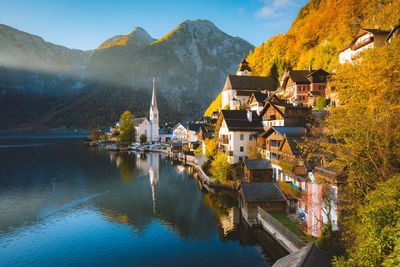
(289, 235)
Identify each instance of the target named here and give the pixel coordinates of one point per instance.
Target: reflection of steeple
(154, 175)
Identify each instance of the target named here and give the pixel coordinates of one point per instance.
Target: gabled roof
(236, 120)
(281, 107)
(258, 83)
(301, 76)
(308, 256)
(259, 97)
(194, 126)
(165, 130)
(282, 130)
(183, 124)
(258, 192)
(362, 32)
(257, 164)
(293, 140)
(138, 121)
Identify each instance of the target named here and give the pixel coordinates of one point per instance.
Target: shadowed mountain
(190, 64)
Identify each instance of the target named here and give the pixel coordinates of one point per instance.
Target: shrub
(185, 148)
(321, 102)
(199, 150)
(222, 169)
(286, 166)
(289, 189)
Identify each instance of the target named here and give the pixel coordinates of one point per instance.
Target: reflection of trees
(219, 202)
(127, 165)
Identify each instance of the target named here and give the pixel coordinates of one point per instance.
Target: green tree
(143, 139)
(377, 234)
(221, 167)
(127, 128)
(321, 102)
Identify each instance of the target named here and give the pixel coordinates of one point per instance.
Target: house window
(241, 137)
(250, 137)
(302, 88)
(322, 87)
(302, 97)
(241, 149)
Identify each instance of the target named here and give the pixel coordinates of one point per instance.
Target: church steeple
(154, 97)
(154, 128)
(244, 68)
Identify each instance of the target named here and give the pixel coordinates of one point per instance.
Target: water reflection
(118, 196)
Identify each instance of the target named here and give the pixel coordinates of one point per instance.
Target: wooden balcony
(363, 43)
(223, 140)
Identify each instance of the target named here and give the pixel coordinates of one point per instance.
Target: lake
(63, 203)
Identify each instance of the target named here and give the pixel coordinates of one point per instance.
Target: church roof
(258, 83)
(138, 121)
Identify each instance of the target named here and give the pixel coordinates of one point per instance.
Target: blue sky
(85, 24)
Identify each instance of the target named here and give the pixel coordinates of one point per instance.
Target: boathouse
(266, 195)
(257, 170)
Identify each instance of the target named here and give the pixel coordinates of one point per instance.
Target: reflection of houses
(238, 88)
(259, 170)
(229, 222)
(300, 84)
(266, 195)
(235, 129)
(365, 39)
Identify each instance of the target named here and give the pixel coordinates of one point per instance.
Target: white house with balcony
(365, 39)
(236, 129)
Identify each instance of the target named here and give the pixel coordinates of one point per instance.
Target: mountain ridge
(190, 62)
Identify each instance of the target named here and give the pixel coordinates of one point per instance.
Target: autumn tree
(221, 168)
(127, 128)
(253, 150)
(211, 148)
(363, 140)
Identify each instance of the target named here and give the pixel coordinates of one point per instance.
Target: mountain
(321, 28)
(190, 64)
(29, 64)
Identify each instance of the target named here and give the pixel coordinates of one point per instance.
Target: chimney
(310, 67)
(249, 115)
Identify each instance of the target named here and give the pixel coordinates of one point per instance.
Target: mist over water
(63, 203)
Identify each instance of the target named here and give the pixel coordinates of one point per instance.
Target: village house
(257, 170)
(257, 101)
(365, 39)
(205, 132)
(268, 196)
(192, 134)
(165, 134)
(235, 130)
(298, 84)
(179, 132)
(238, 88)
(283, 114)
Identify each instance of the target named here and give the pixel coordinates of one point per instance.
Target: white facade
(142, 128)
(236, 147)
(154, 125)
(348, 54)
(179, 133)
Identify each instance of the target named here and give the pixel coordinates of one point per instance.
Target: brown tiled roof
(258, 192)
(257, 164)
(259, 83)
(237, 120)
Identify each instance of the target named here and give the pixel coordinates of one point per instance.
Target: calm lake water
(63, 203)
